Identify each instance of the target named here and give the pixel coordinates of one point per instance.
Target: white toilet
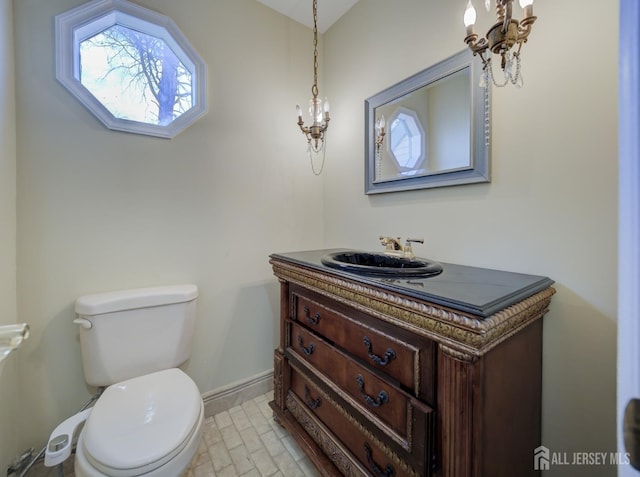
(148, 421)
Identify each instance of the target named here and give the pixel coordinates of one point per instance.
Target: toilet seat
(142, 423)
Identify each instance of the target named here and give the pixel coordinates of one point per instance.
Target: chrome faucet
(393, 246)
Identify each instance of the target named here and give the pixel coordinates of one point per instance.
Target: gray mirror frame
(479, 170)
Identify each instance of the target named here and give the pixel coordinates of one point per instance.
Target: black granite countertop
(479, 291)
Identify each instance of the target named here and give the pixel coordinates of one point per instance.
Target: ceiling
(302, 11)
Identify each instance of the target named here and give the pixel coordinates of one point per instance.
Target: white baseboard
(236, 393)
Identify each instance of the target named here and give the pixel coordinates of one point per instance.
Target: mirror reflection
(425, 132)
(429, 130)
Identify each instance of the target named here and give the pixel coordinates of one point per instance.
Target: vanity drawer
(370, 449)
(375, 397)
(405, 357)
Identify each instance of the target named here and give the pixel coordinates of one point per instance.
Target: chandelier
(318, 109)
(506, 34)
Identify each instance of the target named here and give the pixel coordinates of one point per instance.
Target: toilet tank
(129, 333)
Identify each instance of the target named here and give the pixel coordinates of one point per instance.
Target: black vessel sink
(380, 264)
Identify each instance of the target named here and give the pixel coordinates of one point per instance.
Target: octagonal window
(407, 141)
(131, 67)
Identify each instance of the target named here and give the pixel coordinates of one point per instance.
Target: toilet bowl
(148, 420)
(150, 425)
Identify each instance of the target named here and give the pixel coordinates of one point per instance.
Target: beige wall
(8, 369)
(551, 206)
(101, 210)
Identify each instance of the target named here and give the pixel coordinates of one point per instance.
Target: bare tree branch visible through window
(135, 75)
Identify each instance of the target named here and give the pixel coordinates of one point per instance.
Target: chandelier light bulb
(326, 105)
(299, 111)
(469, 15)
(381, 123)
(527, 6)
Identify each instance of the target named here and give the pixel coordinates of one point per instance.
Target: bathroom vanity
(394, 377)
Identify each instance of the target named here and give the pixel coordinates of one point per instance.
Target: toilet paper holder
(11, 337)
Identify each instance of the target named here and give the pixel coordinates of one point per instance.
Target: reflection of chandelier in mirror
(501, 38)
(380, 125)
(318, 110)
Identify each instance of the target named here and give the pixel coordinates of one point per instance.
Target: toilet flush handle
(59, 445)
(83, 322)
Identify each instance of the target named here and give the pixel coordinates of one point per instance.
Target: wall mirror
(429, 130)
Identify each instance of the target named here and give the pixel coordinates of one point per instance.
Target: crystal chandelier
(318, 109)
(504, 35)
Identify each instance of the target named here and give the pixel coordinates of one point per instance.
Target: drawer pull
(382, 398)
(387, 472)
(388, 355)
(306, 350)
(307, 314)
(312, 403)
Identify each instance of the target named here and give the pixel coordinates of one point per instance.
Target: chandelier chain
(500, 11)
(314, 88)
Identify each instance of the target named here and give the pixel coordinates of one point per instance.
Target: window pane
(136, 76)
(406, 141)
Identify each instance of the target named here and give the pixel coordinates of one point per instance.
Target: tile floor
(246, 441)
(241, 441)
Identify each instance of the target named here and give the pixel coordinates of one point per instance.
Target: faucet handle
(408, 251)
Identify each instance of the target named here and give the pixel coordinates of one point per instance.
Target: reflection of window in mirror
(407, 140)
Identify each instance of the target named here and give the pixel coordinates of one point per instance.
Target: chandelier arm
(305, 130)
(478, 46)
(524, 28)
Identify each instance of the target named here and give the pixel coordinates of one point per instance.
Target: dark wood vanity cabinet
(374, 380)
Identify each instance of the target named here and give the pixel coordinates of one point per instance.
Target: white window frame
(89, 19)
(422, 139)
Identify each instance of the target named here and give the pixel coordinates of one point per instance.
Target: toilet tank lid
(135, 298)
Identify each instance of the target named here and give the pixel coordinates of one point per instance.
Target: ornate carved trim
(468, 334)
(278, 391)
(454, 353)
(321, 436)
(417, 375)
